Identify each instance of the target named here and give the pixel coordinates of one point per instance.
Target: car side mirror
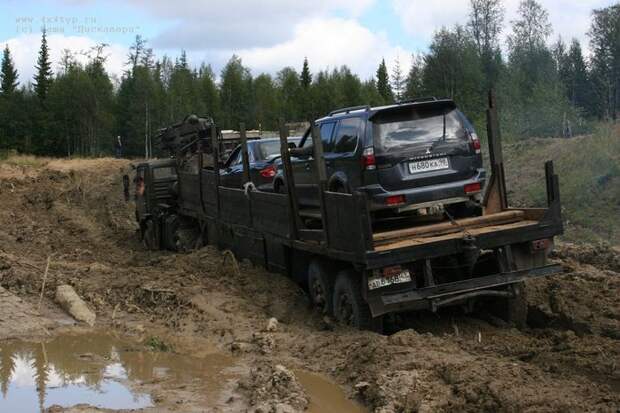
(291, 145)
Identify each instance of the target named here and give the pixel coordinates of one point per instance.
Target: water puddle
(100, 370)
(325, 396)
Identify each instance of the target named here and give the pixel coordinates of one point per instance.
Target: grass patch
(13, 159)
(158, 344)
(589, 171)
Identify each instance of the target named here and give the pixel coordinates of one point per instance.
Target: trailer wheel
(149, 236)
(349, 306)
(320, 287)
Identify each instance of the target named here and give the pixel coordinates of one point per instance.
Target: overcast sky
(266, 34)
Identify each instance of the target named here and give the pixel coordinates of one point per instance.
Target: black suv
(407, 156)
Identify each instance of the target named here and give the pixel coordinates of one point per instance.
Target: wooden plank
(313, 213)
(501, 217)
(321, 175)
(453, 236)
(311, 235)
(235, 207)
(289, 180)
(216, 169)
(244, 153)
(270, 213)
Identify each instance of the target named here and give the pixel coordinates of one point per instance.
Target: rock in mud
(272, 325)
(275, 389)
(74, 305)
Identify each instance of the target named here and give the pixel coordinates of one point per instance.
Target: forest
(546, 86)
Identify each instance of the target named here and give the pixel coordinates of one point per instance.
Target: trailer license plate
(380, 281)
(428, 165)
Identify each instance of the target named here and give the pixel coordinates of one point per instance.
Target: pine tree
(414, 84)
(577, 84)
(383, 83)
(235, 94)
(289, 89)
(209, 92)
(485, 24)
(8, 73)
(43, 78)
(398, 81)
(306, 77)
(135, 52)
(604, 42)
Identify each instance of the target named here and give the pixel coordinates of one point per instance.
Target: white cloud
(225, 24)
(421, 19)
(327, 43)
(25, 49)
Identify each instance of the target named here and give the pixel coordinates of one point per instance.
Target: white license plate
(428, 165)
(378, 282)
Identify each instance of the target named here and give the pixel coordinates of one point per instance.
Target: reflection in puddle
(325, 396)
(96, 369)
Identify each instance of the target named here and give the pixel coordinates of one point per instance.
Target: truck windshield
(398, 130)
(164, 172)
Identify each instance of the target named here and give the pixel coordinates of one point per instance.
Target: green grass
(589, 171)
(157, 344)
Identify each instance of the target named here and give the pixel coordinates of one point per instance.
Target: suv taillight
(368, 159)
(475, 142)
(268, 172)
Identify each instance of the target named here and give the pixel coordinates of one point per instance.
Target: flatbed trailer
(357, 274)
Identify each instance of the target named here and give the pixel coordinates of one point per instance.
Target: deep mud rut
(204, 302)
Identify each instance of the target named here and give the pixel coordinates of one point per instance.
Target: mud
(202, 303)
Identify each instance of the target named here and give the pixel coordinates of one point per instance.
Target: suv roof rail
(349, 109)
(417, 100)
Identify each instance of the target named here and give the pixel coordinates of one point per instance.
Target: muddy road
(206, 309)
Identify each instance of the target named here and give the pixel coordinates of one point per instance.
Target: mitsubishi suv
(412, 155)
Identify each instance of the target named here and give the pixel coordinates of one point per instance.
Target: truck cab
(155, 187)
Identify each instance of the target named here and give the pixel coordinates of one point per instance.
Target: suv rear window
(398, 130)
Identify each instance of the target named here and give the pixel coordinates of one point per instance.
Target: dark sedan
(263, 155)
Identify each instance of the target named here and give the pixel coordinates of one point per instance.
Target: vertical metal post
(495, 198)
(289, 180)
(321, 174)
(244, 153)
(216, 168)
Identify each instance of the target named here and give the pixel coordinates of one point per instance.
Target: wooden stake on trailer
(216, 168)
(244, 153)
(289, 180)
(321, 175)
(495, 198)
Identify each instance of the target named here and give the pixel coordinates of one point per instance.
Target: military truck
(351, 271)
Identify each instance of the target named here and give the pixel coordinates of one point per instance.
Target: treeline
(543, 89)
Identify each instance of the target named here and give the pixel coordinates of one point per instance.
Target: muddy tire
(349, 306)
(321, 287)
(149, 236)
(186, 239)
(514, 310)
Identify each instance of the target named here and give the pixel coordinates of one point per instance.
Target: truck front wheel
(349, 306)
(320, 287)
(149, 236)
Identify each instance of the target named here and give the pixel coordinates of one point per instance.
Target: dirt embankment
(568, 360)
